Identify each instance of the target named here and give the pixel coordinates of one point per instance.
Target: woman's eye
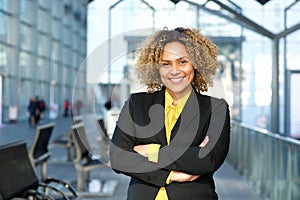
(182, 62)
(165, 64)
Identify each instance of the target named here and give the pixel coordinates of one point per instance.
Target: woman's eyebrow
(183, 57)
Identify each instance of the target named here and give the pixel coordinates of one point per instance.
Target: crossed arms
(185, 162)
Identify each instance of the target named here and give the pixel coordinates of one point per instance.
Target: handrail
(269, 161)
(269, 133)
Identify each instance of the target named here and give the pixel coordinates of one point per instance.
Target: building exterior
(42, 46)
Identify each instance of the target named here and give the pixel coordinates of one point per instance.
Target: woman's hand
(142, 149)
(204, 142)
(182, 177)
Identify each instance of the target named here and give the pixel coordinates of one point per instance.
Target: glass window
(67, 56)
(42, 71)
(56, 51)
(75, 41)
(83, 32)
(44, 4)
(82, 47)
(64, 75)
(59, 73)
(82, 57)
(217, 26)
(3, 27)
(75, 23)
(44, 45)
(57, 94)
(27, 88)
(12, 66)
(68, 75)
(63, 92)
(294, 108)
(67, 15)
(28, 11)
(75, 60)
(293, 51)
(3, 58)
(43, 21)
(293, 15)
(57, 8)
(67, 36)
(26, 65)
(41, 89)
(26, 35)
(12, 7)
(3, 4)
(12, 31)
(44, 91)
(10, 95)
(53, 71)
(56, 29)
(257, 80)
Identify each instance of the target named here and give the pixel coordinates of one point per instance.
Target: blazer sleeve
(125, 160)
(206, 160)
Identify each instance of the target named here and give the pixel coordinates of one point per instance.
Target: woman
(172, 139)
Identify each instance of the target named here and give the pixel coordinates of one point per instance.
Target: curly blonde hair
(202, 51)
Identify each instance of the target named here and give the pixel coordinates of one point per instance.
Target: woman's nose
(175, 68)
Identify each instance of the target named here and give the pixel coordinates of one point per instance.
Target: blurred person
(171, 139)
(38, 111)
(66, 107)
(108, 104)
(32, 110)
(42, 107)
(78, 106)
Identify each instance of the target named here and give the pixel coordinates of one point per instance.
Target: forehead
(174, 50)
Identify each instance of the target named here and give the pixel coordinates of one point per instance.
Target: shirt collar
(181, 101)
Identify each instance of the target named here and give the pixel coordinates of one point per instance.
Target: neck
(176, 97)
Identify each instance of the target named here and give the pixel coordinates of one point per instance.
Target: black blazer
(141, 121)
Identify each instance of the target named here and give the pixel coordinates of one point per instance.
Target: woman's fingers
(204, 142)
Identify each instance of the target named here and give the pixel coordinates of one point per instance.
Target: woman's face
(176, 70)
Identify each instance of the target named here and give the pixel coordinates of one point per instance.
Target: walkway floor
(229, 184)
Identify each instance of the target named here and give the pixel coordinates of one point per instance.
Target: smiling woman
(176, 71)
(174, 157)
(202, 55)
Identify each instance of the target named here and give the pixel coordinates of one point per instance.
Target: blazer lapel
(160, 100)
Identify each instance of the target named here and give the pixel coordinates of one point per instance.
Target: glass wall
(288, 96)
(36, 51)
(229, 38)
(257, 80)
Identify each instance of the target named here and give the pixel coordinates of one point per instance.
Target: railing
(269, 161)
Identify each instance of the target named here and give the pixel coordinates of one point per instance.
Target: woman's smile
(176, 80)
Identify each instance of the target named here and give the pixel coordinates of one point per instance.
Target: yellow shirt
(172, 113)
